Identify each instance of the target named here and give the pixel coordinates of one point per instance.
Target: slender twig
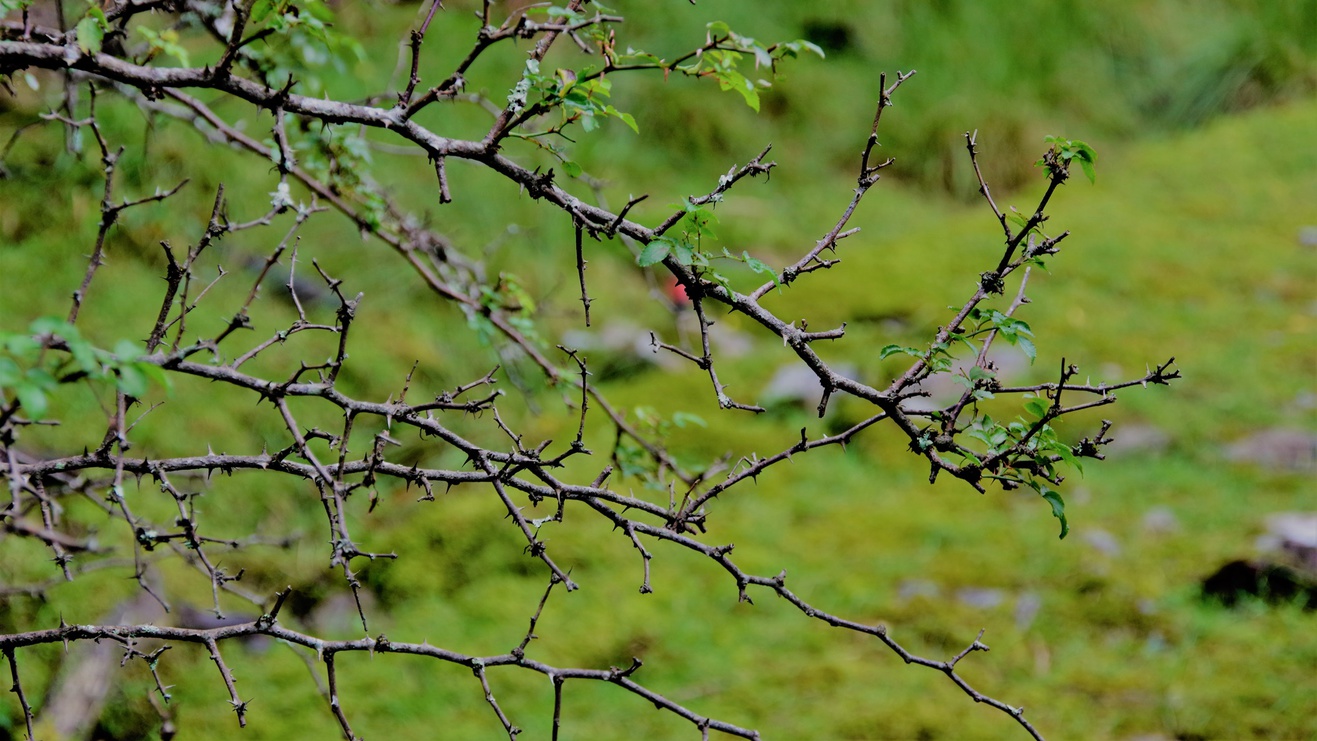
(17, 689)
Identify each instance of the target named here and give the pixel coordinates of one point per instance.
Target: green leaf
(1069, 150)
(166, 42)
(261, 10)
(1068, 455)
(85, 357)
(655, 252)
(890, 350)
(719, 28)
(90, 33)
(681, 419)
(794, 48)
(759, 266)
(738, 82)
(132, 381)
(626, 118)
(54, 326)
(992, 434)
(126, 350)
(1087, 166)
(10, 373)
(1027, 346)
(1058, 508)
(684, 254)
(33, 398)
(22, 347)
(639, 56)
(571, 168)
(1037, 407)
(155, 373)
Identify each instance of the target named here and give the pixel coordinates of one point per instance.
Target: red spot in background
(676, 292)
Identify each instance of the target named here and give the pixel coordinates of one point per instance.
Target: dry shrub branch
(139, 54)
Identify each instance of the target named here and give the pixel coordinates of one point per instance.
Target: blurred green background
(1189, 244)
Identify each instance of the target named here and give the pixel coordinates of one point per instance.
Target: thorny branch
(516, 471)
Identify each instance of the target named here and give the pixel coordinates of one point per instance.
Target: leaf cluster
(53, 353)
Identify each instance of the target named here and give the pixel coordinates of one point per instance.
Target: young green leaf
(85, 356)
(733, 80)
(33, 399)
(890, 350)
(90, 31)
(682, 419)
(1037, 407)
(22, 346)
(126, 350)
(719, 29)
(131, 381)
(626, 118)
(261, 10)
(684, 253)
(1058, 508)
(1028, 347)
(758, 266)
(10, 373)
(53, 326)
(165, 42)
(1087, 166)
(155, 373)
(655, 252)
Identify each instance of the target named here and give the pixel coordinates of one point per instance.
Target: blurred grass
(1202, 115)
